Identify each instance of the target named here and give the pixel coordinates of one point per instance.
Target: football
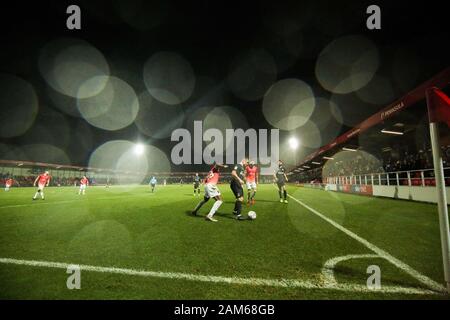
(252, 215)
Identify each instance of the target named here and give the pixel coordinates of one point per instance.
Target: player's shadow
(245, 202)
(225, 215)
(189, 214)
(266, 201)
(219, 214)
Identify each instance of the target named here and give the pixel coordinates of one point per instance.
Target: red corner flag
(439, 111)
(438, 106)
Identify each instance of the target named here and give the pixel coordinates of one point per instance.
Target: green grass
(131, 228)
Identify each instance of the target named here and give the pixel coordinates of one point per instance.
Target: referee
(237, 180)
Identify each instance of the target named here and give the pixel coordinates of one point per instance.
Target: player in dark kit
(196, 185)
(237, 180)
(281, 179)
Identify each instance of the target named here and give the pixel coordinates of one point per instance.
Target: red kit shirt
(43, 179)
(9, 182)
(84, 181)
(251, 174)
(213, 176)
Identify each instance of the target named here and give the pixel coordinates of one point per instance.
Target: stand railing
(419, 178)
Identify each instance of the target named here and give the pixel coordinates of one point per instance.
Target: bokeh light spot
(169, 78)
(66, 64)
(288, 104)
(114, 108)
(251, 74)
(157, 119)
(19, 106)
(347, 64)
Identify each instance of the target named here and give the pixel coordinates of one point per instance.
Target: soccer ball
(252, 215)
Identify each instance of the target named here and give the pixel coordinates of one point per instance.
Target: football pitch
(133, 244)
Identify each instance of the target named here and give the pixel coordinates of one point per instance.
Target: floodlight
(139, 149)
(293, 143)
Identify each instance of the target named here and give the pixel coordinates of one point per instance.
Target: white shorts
(251, 185)
(7, 185)
(211, 191)
(82, 186)
(41, 186)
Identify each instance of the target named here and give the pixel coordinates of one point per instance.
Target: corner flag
(439, 111)
(438, 106)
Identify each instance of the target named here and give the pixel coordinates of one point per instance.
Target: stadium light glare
(293, 143)
(139, 149)
(315, 162)
(328, 158)
(306, 167)
(399, 133)
(349, 149)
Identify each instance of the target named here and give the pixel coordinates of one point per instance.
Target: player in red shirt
(8, 183)
(43, 181)
(84, 182)
(211, 191)
(251, 178)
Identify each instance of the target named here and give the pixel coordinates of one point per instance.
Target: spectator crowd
(360, 163)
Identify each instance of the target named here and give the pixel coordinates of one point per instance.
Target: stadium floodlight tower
(139, 149)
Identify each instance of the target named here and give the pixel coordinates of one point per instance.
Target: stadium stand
(24, 173)
(392, 147)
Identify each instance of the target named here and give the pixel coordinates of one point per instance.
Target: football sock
(214, 208)
(285, 195)
(237, 207)
(200, 204)
(253, 195)
(279, 193)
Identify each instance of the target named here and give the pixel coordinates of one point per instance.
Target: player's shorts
(152, 185)
(41, 186)
(211, 191)
(82, 186)
(7, 185)
(196, 185)
(251, 185)
(236, 187)
(281, 184)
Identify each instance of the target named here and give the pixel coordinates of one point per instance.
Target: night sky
(211, 36)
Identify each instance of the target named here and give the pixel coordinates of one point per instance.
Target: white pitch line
(328, 267)
(383, 254)
(283, 283)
